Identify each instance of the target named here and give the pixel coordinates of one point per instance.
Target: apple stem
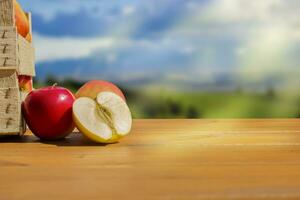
(54, 85)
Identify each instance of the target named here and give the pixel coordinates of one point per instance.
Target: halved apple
(105, 119)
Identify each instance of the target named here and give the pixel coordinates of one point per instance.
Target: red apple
(48, 112)
(29, 37)
(25, 83)
(92, 88)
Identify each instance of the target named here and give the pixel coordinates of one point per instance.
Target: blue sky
(188, 43)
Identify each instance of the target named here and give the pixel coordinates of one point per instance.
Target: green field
(166, 104)
(156, 103)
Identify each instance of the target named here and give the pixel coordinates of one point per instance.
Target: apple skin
(25, 83)
(48, 112)
(22, 22)
(92, 88)
(29, 37)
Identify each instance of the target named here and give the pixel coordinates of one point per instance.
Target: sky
(188, 44)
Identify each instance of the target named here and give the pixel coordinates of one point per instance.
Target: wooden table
(161, 159)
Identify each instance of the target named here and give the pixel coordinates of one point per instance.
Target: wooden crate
(11, 121)
(16, 58)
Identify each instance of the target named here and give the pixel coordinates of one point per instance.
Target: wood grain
(7, 13)
(26, 65)
(10, 103)
(161, 159)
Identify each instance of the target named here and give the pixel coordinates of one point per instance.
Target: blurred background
(176, 58)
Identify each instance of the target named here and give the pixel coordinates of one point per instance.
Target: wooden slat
(8, 32)
(8, 41)
(25, 57)
(10, 125)
(11, 94)
(7, 107)
(7, 55)
(10, 111)
(7, 62)
(8, 78)
(7, 13)
(160, 159)
(7, 49)
(10, 106)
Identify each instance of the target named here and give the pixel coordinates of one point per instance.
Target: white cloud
(59, 48)
(264, 32)
(128, 10)
(266, 52)
(52, 48)
(243, 10)
(266, 45)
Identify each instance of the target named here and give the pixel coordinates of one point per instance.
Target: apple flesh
(48, 112)
(105, 119)
(92, 88)
(22, 22)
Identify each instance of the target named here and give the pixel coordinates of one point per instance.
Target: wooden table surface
(161, 159)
